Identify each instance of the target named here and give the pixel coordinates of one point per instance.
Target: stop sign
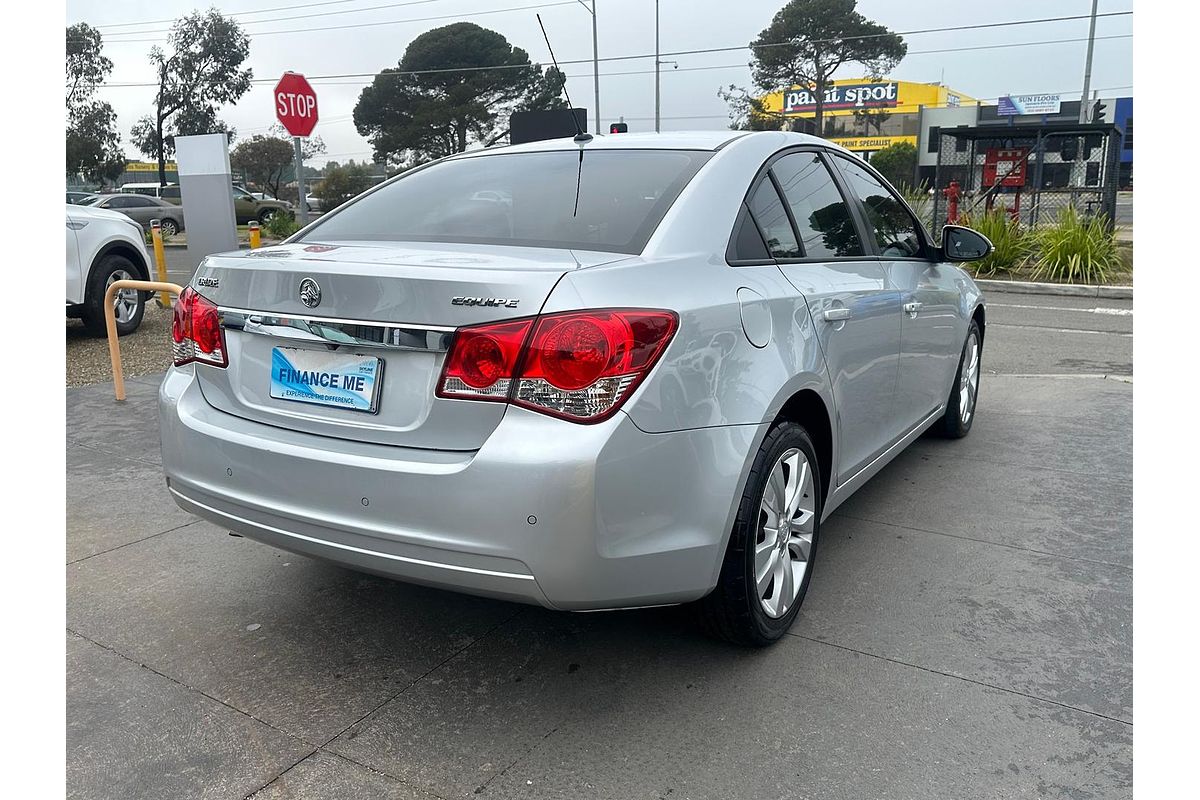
(296, 104)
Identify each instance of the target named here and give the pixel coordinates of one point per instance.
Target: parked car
(103, 247)
(142, 209)
(247, 207)
(645, 379)
(265, 196)
(80, 198)
(169, 192)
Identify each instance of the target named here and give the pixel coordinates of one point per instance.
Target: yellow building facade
(867, 115)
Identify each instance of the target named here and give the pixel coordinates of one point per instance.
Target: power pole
(595, 58)
(657, 76)
(1087, 68)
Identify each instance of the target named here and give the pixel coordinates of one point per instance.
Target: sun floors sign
(1018, 104)
(845, 96)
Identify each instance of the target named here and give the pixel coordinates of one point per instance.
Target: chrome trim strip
(361, 550)
(335, 331)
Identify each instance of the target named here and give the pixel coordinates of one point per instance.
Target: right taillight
(196, 331)
(579, 365)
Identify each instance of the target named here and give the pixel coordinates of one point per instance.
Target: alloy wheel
(787, 520)
(968, 387)
(125, 301)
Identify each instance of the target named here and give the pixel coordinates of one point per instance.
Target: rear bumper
(548, 512)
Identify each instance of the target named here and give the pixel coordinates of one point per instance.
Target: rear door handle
(912, 308)
(837, 314)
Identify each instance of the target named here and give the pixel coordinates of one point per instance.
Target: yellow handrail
(110, 322)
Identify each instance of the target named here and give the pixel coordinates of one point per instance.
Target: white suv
(103, 247)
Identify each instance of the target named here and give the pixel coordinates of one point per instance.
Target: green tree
(809, 40)
(411, 118)
(749, 113)
(898, 163)
(93, 146)
(202, 73)
(341, 183)
(269, 160)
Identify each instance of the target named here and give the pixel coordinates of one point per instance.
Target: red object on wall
(1006, 165)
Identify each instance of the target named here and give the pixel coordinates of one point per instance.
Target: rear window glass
(612, 200)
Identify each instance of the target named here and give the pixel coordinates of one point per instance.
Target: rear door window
(895, 229)
(826, 227)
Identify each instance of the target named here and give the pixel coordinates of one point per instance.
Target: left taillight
(196, 331)
(579, 365)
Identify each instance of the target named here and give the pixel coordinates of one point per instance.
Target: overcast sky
(626, 28)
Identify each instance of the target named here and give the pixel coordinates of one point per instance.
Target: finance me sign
(846, 96)
(1017, 104)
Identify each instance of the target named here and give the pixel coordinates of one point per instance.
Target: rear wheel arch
(808, 409)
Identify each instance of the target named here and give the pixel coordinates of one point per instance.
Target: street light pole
(1087, 69)
(595, 58)
(657, 76)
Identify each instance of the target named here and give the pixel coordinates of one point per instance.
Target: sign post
(296, 109)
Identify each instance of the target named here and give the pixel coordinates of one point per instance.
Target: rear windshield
(612, 200)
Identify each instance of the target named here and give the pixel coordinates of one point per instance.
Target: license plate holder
(349, 381)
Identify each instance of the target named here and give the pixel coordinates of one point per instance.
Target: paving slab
(325, 776)
(633, 705)
(113, 501)
(134, 734)
(127, 428)
(1055, 628)
(302, 645)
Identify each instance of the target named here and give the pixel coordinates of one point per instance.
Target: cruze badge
(211, 283)
(484, 301)
(310, 293)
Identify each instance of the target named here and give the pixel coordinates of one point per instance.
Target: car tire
(265, 215)
(964, 394)
(131, 304)
(168, 226)
(740, 608)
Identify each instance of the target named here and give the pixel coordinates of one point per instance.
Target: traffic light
(1098, 109)
(619, 127)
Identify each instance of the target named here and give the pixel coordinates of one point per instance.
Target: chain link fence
(1030, 172)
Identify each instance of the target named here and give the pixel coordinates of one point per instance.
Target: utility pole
(657, 76)
(1087, 69)
(595, 58)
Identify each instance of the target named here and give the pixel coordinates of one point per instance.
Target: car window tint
(747, 244)
(170, 191)
(608, 200)
(772, 220)
(894, 227)
(822, 217)
(122, 201)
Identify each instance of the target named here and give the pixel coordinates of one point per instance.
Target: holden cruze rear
(389, 389)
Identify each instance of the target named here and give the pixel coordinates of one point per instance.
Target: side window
(894, 227)
(826, 227)
(121, 201)
(772, 219)
(170, 193)
(747, 243)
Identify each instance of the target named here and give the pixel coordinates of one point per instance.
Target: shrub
(1010, 242)
(1075, 250)
(896, 162)
(921, 202)
(281, 226)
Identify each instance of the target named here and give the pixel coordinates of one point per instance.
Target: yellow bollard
(255, 236)
(160, 258)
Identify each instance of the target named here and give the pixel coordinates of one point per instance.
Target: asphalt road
(967, 633)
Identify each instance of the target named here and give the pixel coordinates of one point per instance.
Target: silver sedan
(644, 378)
(143, 209)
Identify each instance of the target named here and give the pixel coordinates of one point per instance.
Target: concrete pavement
(967, 633)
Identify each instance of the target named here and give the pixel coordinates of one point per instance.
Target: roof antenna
(580, 135)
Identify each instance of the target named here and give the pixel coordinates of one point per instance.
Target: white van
(170, 192)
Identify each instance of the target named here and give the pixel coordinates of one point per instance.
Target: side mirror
(964, 244)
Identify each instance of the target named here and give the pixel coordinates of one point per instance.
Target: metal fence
(1031, 172)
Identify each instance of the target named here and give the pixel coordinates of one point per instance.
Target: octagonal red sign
(296, 104)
